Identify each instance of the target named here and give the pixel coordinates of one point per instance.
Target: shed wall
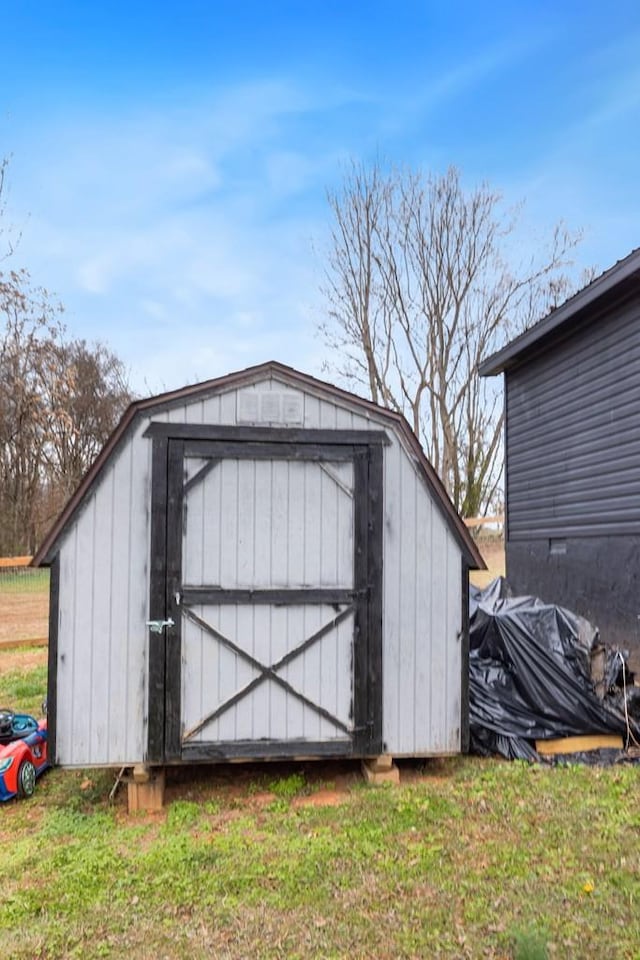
(104, 587)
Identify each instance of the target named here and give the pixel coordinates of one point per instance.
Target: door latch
(157, 626)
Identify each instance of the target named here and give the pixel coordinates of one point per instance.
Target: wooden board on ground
(598, 741)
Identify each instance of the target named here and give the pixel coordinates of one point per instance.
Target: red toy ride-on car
(23, 753)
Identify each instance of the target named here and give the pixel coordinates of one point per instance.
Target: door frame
(169, 443)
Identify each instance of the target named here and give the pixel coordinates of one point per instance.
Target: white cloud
(181, 233)
(165, 232)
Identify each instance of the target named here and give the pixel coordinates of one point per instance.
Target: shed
(572, 448)
(258, 566)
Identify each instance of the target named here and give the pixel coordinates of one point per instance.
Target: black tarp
(530, 675)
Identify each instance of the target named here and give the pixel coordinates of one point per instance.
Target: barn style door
(266, 583)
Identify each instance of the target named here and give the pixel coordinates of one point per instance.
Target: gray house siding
(573, 470)
(573, 430)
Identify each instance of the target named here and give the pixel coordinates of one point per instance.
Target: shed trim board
(301, 440)
(465, 735)
(173, 635)
(268, 750)
(170, 599)
(52, 657)
(157, 598)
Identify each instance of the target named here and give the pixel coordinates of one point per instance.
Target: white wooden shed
(259, 566)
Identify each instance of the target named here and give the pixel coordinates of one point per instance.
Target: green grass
(24, 690)
(473, 859)
(531, 945)
(285, 788)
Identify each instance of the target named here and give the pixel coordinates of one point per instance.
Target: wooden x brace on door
(266, 672)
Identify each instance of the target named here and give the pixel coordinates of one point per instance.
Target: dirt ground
(20, 660)
(24, 616)
(328, 783)
(492, 550)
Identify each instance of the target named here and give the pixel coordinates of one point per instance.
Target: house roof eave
(611, 281)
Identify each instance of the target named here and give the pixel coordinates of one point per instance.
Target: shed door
(274, 649)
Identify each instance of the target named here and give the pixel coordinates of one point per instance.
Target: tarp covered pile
(531, 676)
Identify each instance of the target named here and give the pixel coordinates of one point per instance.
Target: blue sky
(170, 162)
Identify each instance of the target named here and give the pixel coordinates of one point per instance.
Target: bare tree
(419, 289)
(7, 232)
(59, 401)
(28, 325)
(85, 392)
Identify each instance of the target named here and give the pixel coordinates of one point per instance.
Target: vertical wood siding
(269, 523)
(102, 642)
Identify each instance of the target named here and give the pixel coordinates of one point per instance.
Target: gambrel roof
(247, 377)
